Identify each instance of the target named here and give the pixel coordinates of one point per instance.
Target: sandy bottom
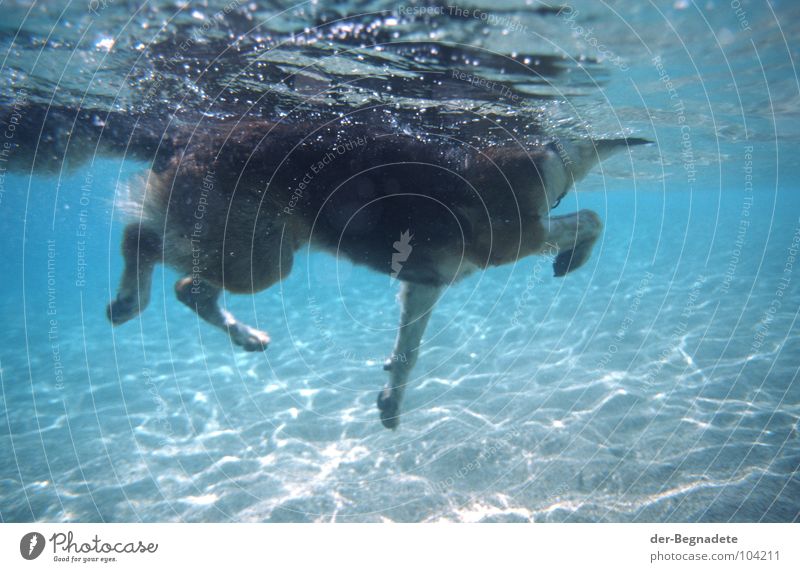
(645, 387)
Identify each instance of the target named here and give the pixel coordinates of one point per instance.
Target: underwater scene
(370, 261)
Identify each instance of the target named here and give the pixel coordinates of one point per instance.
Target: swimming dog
(229, 204)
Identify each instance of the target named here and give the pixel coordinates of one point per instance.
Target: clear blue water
(658, 383)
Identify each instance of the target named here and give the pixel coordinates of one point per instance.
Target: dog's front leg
(417, 302)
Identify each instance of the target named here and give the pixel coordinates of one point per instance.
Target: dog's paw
(573, 259)
(122, 309)
(248, 338)
(389, 408)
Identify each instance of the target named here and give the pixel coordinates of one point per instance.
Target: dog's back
(47, 139)
(222, 195)
(351, 189)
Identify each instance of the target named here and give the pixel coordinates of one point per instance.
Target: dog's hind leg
(417, 301)
(203, 298)
(573, 237)
(141, 249)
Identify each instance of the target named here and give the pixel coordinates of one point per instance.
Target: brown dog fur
(228, 204)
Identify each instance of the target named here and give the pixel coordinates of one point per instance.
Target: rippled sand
(630, 391)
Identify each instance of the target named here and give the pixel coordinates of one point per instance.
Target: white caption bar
(400, 547)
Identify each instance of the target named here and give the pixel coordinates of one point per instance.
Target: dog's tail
(582, 154)
(607, 147)
(40, 139)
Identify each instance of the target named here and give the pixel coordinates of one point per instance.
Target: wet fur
(463, 206)
(221, 206)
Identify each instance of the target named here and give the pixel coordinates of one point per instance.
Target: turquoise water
(657, 383)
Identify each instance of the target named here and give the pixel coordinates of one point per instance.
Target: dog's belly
(427, 238)
(413, 238)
